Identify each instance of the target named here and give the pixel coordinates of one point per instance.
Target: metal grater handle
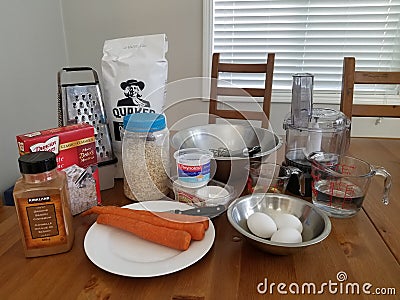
(79, 69)
(60, 112)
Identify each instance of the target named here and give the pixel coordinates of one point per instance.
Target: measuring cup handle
(387, 183)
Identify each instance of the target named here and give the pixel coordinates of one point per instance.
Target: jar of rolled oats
(145, 156)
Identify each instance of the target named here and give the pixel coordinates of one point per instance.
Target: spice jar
(145, 156)
(42, 204)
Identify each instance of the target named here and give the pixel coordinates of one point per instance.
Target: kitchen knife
(206, 211)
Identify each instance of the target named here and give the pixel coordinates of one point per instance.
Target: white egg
(286, 235)
(261, 225)
(288, 221)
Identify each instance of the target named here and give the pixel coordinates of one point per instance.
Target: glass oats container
(145, 156)
(42, 204)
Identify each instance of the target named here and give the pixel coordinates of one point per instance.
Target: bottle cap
(144, 122)
(37, 162)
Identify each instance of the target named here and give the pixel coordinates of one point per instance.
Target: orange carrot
(177, 239)
(182, 218)
(100, 210)
(196, 230)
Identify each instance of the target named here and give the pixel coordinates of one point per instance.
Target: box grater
(81, 102)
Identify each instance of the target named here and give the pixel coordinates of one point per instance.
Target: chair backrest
(350, 77)
(216, 90)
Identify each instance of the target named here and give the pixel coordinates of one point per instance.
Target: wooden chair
(216, 90)
(351, 77)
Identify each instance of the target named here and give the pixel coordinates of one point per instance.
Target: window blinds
(307, 36)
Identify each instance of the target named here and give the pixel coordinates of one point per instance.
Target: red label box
(75, 147)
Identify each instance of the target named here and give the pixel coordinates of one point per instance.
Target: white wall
(32, 51)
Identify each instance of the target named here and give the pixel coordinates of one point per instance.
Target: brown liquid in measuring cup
(345, 198)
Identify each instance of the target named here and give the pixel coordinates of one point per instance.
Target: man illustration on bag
(133, 91)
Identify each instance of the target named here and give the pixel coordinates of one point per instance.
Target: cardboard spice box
(75, 148)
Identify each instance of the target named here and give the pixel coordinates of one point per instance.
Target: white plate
(123, 253)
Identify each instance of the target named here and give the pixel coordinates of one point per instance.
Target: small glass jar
(145, 156)
(42, 204)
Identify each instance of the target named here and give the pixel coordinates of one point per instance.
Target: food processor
(310, 129)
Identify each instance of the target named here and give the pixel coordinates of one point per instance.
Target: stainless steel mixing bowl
(316, 224)
(234, 138)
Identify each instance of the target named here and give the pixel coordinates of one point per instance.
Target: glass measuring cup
(266, 177)
(340, 183)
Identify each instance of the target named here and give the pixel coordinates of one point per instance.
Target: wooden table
(364, 248)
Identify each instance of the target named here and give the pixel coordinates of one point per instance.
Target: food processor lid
(322, 119)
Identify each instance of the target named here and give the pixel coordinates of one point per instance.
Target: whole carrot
(182, 218)
(196, 230)
(177, 239)
(166, 215)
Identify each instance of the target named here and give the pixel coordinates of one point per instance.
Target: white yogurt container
(193, 167)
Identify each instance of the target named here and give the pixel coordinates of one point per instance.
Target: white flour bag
(134, 71)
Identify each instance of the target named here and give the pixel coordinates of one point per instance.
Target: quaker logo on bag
(133, 92)
(132, 103)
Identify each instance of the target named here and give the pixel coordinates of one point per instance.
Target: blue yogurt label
(194, 174)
